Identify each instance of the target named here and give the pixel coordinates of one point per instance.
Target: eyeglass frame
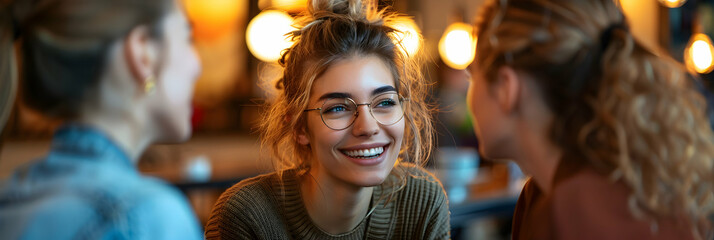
(356, 114)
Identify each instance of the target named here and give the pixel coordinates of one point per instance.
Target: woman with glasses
(614, 136)
(349, 115)
(120, 75)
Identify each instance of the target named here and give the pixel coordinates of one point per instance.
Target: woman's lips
(368, 156)
(364, 153)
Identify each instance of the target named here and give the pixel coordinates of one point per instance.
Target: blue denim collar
(93, 144)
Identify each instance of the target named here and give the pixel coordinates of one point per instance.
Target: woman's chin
(370, 180)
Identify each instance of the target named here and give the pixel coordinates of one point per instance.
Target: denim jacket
(87, 188)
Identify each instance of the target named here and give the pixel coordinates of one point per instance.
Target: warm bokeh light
(290, 5)
(212, 18)
(457, 46)
(672, 3)
(699, 55)
(266, 37)
(408, 36)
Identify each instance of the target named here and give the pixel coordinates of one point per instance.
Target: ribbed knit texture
(263, 208)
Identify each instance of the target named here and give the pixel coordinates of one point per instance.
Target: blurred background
(239, 42)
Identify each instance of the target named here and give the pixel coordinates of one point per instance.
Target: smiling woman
(346, 141)
(345, 131)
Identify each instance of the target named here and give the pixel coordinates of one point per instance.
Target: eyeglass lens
(340, 113)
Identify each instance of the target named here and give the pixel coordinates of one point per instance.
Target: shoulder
(588, 190)
(106, 189)
(152, 209)
(163, 214)
(419, 179)
(591, 203)
(247, 194)
(155, 191)
(421, 206)
(243, 205)
(420, 187)
(143, 207)
(36, 217)
(105, 202)
(133, 191)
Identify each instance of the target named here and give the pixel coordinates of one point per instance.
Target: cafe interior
(239, 43)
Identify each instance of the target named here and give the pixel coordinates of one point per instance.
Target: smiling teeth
(365, 152)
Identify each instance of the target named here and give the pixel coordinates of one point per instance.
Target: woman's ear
(507, 89)
(303, 140)
(140, 53)
(302, 137)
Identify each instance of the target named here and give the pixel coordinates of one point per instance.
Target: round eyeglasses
(340, 113)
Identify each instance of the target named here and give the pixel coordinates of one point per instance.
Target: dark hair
(617, 106)
(8, 78)
(64, 45)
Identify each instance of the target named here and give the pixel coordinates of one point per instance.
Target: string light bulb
(408, 38)
(699, 54)
(672, 3)
(457, 46)
(266, 34)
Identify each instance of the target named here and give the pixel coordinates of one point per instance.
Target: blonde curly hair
(328, 32)
(618, 107)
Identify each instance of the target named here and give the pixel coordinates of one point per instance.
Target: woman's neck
(126, 133)
(334, 205)
(539, 158)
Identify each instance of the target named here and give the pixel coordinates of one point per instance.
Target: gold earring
(149, 85)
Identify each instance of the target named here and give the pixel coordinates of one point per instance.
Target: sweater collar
(301, 225)
(83, 140)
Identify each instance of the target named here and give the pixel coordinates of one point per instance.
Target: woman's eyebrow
(347, 95)
(384, 89)
(335, 95)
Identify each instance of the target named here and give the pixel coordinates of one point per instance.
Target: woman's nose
(365, 124)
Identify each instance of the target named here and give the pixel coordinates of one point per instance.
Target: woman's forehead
(359, 77)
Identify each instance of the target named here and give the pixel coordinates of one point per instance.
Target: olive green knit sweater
(263, 208)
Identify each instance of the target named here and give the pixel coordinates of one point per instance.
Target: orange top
(585, 204)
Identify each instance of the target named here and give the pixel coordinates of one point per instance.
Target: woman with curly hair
(614, 136)
(348, 125)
